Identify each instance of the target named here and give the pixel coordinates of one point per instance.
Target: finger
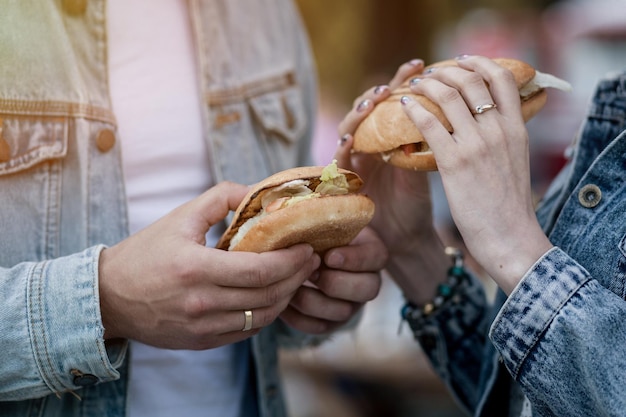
(470, 84)
(343, 152)
(449, 99)
(501, 81)
(436, 135)
(256, 270)
(213, 205)
(307, 324)
(363, 106)
(311, 302)
(366, 253)
(349, 286)
(406, 70)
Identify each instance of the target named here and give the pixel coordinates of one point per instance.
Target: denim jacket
(62, 197)
(561, 334)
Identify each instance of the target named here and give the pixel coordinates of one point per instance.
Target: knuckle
(504, 74)
(428, 121)
(272, 295)
(258, 276)
(196, 306)
(447, 95)
(473, 79)
(265, 317)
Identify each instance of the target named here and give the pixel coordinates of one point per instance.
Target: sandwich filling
(331, 182)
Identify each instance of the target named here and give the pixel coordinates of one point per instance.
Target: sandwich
(317, 205)
(390, 133)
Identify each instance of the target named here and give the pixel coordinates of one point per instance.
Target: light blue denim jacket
(561, 334)
(62, 198)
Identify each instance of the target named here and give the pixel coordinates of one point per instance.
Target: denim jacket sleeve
(52, 330)
(559, 334)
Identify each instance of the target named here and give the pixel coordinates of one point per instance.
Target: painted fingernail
(405, 100)
(379, 89)
(414, 81)
(365, 104)
(342, 140)
(430, 70)
(461, 57)
(416, 62)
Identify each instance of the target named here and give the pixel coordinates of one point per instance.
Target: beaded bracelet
(415, 315)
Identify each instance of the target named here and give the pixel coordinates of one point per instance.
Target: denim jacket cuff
(533, 304)
(65, 324)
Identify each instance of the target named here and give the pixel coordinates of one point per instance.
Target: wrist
(447, 292)
(419, 268)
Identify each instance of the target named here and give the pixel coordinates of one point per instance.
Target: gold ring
(248, 323)
(484, 107)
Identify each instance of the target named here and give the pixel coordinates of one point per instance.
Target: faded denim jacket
(62, 197)
(561, 334)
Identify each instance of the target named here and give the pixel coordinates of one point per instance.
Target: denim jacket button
(589, 196)
(5, 149)
(75, 7)
(105, 140)
(83, 380)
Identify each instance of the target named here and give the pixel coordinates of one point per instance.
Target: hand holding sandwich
(162, 286)
(320, 206)
(483, 161)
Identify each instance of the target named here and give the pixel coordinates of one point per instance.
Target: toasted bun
(323, 222)
(388, 127)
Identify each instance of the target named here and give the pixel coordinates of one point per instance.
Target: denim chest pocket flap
(26, 141)
(281, 113)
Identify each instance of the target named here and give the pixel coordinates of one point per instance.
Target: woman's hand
(403, 217)
(484, 164)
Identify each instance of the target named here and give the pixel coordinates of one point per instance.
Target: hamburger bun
(388, 131)
(291, 207)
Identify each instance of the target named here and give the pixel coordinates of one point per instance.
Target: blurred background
(377, 370)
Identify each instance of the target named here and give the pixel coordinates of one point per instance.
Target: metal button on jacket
(83, 380)
(5, 149)
(589, 196)
(105, 140)
(75, 7)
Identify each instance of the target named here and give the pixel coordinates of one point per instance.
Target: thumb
(343, 152)
(213, 205)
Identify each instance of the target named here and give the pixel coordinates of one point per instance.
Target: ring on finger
(484, 107)
(248, 320)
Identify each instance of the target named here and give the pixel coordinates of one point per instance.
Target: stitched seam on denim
(35, 299)
(550, 320)
(251, 89)
(101, 346)
(56, 108)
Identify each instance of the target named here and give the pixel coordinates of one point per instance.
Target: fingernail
(461, 57)
(405, 100)
(416, 62)
(335, 260)
(342, 140)
(364, 105)
(380, 89)
(414, 81)
(430, 70)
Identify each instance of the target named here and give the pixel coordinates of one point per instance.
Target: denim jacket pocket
(282, 120)
(281, 113)
(259, 124)
(25, 141)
